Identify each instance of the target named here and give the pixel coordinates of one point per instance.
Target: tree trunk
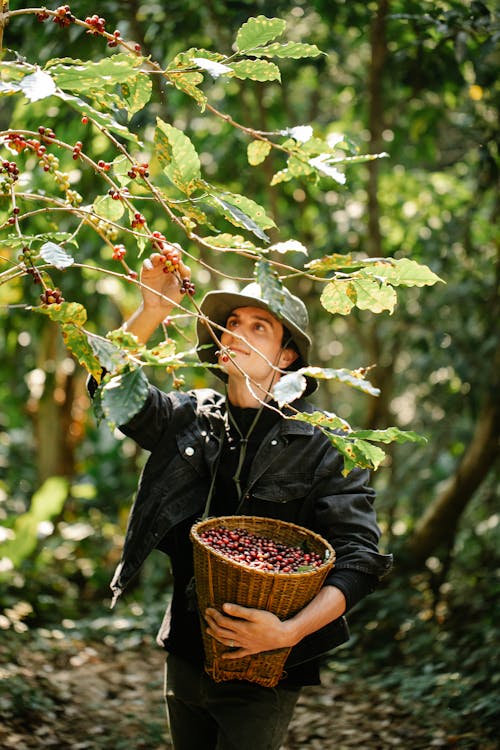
(437, 527)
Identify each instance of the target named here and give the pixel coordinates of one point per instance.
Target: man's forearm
(327, 605)
(144, 322)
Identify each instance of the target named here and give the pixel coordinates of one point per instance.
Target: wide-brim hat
(287, 308)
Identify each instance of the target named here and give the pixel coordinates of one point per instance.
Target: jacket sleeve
(345, 515)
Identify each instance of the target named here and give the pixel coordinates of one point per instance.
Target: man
(237, 454)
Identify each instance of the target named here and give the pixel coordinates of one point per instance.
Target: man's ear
(287, 357)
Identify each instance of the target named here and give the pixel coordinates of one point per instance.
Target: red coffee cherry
(259, 552)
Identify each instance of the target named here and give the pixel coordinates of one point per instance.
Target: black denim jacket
(296, 476)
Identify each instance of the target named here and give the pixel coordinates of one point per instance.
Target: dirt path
(96, 697)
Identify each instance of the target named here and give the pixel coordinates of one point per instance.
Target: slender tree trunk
(383, 374)
(378, 44)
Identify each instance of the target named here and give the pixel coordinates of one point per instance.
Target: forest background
(417, 81)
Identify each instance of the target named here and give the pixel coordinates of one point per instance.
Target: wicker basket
(220, 579)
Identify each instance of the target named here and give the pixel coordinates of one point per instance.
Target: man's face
(253, 342)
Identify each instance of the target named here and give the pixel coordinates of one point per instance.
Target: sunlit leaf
(402, 272)
(257, 152)
(371, 295)
(243, 212)
(289, 387)
(102, 118)
(107, 208)
(289, 246)
(337, 297)
(256, 70)
(80, 75)
(38, 85)
(178, 156)
(78, 344)
(258, 31)
(352, 378)
(65, 312)
(390, 435)
(188, 83)
(214, 68)
(294, 50)
(56, 255)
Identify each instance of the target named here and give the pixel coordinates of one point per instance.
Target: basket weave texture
(220, 579)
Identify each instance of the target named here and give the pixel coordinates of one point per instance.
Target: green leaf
(65, 312)
(38, 85)
(107, 208)
(390, 435)
(242, 212)
(282, 176)
(325, 420)
(15, 241)
(339, 262)
(337, 297)
(356, 452)
(231, 240)
(102, 118)
(77, 342)
(79, 76)
(257, 152)
(289, 387)
(124, 395)
(371, 295)
(401, 272)
(108, 354)
(136, 92)
(56, 255)
(178, 156)
(188, 83)
(353, 378)
(256, 70)
(258, 31)
(293, 50)
(297, 166)
(271, 286)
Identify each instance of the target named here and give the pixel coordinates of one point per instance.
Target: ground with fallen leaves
(79, 696)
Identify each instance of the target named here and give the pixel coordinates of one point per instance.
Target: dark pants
(235, 715)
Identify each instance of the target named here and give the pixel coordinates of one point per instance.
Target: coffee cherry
(96, 23)
(63, 16)
(138, 220)
(258, 552)
(119, 252)
(42, 16)
(188, 287)
(52, 297)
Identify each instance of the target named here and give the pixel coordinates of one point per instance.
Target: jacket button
(189, 451)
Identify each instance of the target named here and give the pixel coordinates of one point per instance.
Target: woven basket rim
(257, 571)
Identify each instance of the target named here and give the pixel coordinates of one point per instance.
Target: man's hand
(250, 631)
(161, 289)
(161, 293)
(247, 631)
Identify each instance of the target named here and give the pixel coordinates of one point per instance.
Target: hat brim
(216, 306)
